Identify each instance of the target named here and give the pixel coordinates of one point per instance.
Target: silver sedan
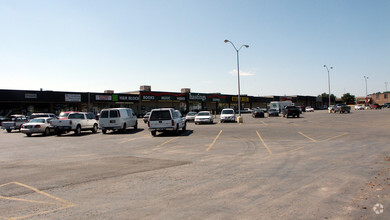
(38, 125)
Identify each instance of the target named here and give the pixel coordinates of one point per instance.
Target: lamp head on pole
(226, 41)
(246, 46)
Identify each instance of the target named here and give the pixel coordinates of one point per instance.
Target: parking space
(313, 167)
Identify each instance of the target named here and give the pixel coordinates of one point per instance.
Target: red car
(375, 106)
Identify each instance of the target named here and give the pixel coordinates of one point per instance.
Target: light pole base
(239, 119)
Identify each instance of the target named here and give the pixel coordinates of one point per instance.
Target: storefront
(197, 102)
(152, 100)
(29, 101)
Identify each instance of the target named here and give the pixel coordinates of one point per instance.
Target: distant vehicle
(190, 116)
(375, 106)
(146, 117)
(117, 119)
(166, 119)
(42, 115)
(4, 118)
(64, 115)
(77, 122)
(359, 107)
(331, 108)
(38, 125)
(309, 109)
(258, 113)
(280, 105)
(386, 105)
(204, 117)
(273, 112)
(246, 110)
(15, 123)
(291, 111)
(227, 114)
(342, 108)
(302, 108)
(261, 109)
(324, 107)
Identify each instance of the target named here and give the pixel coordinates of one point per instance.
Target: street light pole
(366, 77)
(328, 82)
(238, 73)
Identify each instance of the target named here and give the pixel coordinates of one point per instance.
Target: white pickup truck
(77, 122)
(166, 119)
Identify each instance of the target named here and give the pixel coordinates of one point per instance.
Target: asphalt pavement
(318, 166)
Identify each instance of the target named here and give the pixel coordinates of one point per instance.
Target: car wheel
(78, 130)
(47, 132)
(184, 127)
(124, 128)
(58, 133)
(297, 116)
(177, 130)
(153, 133)
(95, 128)
(136, 125)
(104, 131)
(28, 134)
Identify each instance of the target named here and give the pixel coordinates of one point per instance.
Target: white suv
(117, 119)
(166, 119)
(228, 114)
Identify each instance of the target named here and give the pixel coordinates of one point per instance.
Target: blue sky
(120, 45)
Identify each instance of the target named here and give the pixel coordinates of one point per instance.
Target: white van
(117, 119)
(228, 114)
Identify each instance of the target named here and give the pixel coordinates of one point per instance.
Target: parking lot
(319, 166)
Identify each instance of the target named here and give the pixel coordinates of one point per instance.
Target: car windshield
(64, 115)
(160, 115)
(104, 114)
(114, 114)
(203, 114)
(273, 110)
(191, 113)
(37, 120)
(76, 116)
(227, 111)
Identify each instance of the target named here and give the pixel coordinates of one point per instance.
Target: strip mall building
(31, 101)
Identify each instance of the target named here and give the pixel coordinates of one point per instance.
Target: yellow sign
(243, 99)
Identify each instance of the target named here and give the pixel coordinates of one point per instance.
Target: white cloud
(242, 73)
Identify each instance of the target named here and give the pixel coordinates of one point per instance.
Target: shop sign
(165, 97)
(197, 97)
(181, 98)
(147, 97)
(127, 98)
(72, 97)
(243, 99)
(103, 97)
(216, 100)
(30, 96)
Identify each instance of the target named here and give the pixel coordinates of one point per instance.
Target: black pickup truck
(291, 111)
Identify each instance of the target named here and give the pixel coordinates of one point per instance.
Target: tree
(325, 98)
(348, 99)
